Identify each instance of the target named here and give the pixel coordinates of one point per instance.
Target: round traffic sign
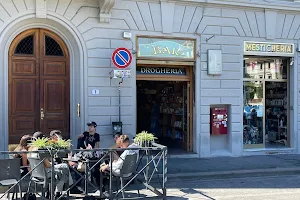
(121, 58)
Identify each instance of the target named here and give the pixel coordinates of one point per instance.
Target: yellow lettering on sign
(248, 47)
(265, 47)
(273, 48)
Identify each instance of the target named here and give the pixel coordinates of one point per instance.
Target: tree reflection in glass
(253, 112)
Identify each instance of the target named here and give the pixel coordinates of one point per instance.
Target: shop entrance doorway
(163, 109)
(266, 102)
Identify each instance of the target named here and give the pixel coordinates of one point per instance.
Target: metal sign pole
(120, 99)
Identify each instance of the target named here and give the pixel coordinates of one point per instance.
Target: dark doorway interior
(162, 110)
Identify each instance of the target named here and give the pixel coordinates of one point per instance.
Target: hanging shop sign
(265, 48)
(121, 57)
(161, 71)
(166, 48)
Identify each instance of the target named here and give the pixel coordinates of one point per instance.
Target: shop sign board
(161, 71)
(166, 48)
(266, 48)
(121, 58)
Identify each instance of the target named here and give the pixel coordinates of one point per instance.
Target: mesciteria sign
(265, 48)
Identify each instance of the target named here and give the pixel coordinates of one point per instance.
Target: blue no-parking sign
(121, 58)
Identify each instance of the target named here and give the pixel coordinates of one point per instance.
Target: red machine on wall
(218, 120)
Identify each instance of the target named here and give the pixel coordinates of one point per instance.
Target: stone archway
(78, 66)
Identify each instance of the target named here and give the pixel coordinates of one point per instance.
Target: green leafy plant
(144, 138)
(50, 144)
(40, 143)
(64, 144)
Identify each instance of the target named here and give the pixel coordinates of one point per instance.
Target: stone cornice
(259, 4)
(105, 10)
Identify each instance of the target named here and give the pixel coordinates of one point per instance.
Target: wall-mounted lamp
(126, 35)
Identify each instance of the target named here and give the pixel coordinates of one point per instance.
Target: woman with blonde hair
(23, 146)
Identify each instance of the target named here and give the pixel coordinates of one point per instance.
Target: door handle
(78, 109)
(42, 114)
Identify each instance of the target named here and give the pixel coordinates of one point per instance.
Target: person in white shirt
(117, 165)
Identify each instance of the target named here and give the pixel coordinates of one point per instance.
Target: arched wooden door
(39, 84)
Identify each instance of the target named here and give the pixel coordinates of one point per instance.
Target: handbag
(81, 166)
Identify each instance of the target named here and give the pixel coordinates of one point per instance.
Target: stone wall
(215, 26)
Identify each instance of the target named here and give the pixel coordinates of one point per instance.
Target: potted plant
(144, 139)
(52, 146)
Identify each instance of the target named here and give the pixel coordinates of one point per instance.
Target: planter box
(59, 154)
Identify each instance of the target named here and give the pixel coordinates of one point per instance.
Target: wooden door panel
(57, 123)
(54, 97)
(21, 126)
(24, 68)
(23, 97)
(23, 118)
(56, 68)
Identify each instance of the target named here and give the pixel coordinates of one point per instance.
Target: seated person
(116, 154)
(23, 146)
(118, 164)
(87, 140)
(89, 137)
(61, 171)
(38, 135)
(55, 135)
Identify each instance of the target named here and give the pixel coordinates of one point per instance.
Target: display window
(266, 99)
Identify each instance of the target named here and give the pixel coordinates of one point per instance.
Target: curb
(236, 173)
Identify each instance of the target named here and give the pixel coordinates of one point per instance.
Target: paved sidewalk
(279, 163)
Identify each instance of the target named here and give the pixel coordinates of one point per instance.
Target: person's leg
(80, 143)
(105, 181)
(96, 175)
(63, 175)
(75, 176)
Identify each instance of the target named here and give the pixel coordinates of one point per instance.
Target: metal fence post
(52, 175)
(110, 175)
(165, 170)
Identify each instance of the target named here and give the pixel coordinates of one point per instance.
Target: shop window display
(265, 102)
(253, 113)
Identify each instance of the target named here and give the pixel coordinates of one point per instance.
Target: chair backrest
(39, 169)
(129, 165)
(10, 169)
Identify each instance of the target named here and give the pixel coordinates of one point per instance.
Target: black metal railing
(150, 171)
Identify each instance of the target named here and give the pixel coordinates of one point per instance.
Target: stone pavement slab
(277, 163)
(192, 165)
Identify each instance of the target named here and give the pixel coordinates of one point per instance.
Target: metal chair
(129, 167)
(10, 175)
(38, 175)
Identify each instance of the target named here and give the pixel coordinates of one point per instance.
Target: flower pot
(44, 154)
